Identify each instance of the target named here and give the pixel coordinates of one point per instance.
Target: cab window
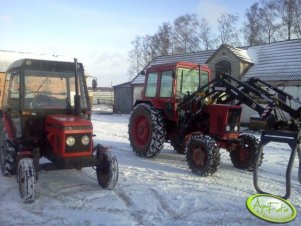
(11, 95)
(166, 84)
(188, 81)
(151, 85)
(204, 78)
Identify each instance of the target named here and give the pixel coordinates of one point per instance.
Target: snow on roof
(194, 57)
(279, 61)
(139, 79)
(8, 57)
(242, 54)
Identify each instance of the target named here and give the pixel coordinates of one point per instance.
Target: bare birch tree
(228, 33)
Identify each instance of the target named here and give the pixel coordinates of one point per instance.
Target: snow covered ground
(158, 191)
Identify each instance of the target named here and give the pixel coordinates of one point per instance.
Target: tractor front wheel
(26, 179)
(146, 130)
(106, 169)
(202, 155)
(244, 155)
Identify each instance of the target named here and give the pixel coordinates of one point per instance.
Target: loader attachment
(293, 140)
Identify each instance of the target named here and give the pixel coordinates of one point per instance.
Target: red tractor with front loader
(46, 113)
(198, 115)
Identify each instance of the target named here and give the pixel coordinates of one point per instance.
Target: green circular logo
(271, 208)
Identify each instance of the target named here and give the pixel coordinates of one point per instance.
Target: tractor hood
(69, 135)
(68, 122)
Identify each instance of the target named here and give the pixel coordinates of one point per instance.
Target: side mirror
(94, 84)
(142, 72)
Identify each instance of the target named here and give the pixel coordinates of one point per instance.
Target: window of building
(222, 66)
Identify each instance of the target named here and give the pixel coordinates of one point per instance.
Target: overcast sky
(99, 32)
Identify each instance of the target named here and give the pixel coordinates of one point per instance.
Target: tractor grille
(234, 116)
(78, 146)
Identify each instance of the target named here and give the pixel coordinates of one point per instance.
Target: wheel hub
(142, 130)
(244, 153)
(198, 156)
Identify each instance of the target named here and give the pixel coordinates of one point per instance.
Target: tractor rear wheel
(146, 130)
(26, 179)
(7, 155)
(106, 169)
(243, 156)
(202, 155)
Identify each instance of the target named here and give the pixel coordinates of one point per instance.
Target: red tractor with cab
(173, 109)
(46, 113)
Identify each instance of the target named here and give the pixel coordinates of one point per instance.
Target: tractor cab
(166, 85)
(35, 89)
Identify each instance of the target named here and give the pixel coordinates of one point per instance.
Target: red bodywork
(59, 127)
(219, 115)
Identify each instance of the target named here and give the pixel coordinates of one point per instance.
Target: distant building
(123, 98)
(278, 63)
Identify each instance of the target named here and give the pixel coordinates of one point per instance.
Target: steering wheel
(41, 100)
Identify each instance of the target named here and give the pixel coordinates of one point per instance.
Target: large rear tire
(26, 179)
(202, 155)
(7, 155)
(243, 156)
(106, 169)
(146, 130)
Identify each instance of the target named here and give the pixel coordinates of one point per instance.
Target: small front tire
(202, 155)
(243, 156)
(106, 169)
(26, 179)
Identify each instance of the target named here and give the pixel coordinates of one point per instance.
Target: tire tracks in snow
(133, 210)
(164, 205)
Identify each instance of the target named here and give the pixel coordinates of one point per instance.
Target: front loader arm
(279, 96)
(227, 90)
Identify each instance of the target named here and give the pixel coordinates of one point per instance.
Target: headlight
(235, 128)
(227, 128)
(70, 141)
(85, 140)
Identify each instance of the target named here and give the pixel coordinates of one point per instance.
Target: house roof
(4, 65)
(126, 84)
(139, 79)
(240, 53)
(194, 57)
(279, 61)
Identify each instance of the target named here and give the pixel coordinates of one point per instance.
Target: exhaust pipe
(77, 99)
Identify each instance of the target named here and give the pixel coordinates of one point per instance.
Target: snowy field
(158, 191)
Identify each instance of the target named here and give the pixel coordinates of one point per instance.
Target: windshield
(46, 90)
(188, 80)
